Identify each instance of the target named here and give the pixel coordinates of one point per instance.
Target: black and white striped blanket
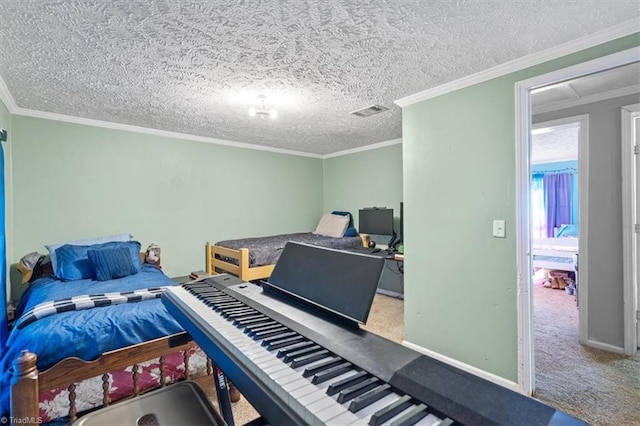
(87, 301)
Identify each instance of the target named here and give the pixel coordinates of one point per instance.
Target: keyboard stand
(222, 390)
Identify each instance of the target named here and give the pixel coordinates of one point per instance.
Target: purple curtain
(557, 198)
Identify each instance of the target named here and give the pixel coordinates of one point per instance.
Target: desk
(392, 278)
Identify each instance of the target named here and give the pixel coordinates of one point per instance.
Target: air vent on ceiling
(370, 110)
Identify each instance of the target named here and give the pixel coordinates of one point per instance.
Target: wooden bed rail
(27, 382)
(241, 269)
(239, 263)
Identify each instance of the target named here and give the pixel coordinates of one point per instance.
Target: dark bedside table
(181, 280)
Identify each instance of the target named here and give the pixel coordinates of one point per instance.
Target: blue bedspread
(88, 333)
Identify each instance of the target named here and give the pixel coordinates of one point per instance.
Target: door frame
(630, 217)
(526, 371)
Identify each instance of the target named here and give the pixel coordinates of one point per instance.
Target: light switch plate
(499, 229)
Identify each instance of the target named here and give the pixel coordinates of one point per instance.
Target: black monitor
(376, 221)
(341, 282)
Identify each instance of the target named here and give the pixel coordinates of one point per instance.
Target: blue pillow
(74, 263)
(112, 263)
(87, 242)
(351, 231)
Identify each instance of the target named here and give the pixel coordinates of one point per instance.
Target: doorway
(523, 128)
(559, 175)
(555, 147)
(556, 178)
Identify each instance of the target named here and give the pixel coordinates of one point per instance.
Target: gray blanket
(267, 250)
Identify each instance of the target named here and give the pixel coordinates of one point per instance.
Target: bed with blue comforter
(87, 332)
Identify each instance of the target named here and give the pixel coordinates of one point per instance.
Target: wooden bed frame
(242, 269)
(27, 382)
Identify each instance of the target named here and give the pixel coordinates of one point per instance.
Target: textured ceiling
(195, 67)
(554, 144)
(560, 143)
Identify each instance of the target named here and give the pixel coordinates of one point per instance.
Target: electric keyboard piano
(296, 367)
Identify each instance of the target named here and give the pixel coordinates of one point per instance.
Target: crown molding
(155, 132)
(582, 43)
(6, 98)
(363, 148)
(13, 109)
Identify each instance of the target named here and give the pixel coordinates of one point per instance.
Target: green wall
(364, 179)
(5, 123)
(74, 181)
(459, 175)
(5, 117)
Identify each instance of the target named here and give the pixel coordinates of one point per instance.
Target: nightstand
(181, 280)
(11, 313)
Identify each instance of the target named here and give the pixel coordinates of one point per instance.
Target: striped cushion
(112, 263)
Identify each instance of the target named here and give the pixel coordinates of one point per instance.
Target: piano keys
(321, 386)
(295, 367)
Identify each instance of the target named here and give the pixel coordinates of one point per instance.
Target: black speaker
(372, 244)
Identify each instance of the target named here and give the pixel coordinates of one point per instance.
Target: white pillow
(332, 225)
(89, 241)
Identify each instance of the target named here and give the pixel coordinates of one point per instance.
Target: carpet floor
(599, 387)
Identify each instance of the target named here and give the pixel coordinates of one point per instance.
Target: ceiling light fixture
(263, 112)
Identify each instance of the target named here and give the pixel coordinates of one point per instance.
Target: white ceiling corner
(194, 67)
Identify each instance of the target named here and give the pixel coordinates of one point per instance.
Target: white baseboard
(465, 367)
(605, 347)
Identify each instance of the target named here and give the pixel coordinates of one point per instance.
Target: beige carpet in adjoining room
(599, 387)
